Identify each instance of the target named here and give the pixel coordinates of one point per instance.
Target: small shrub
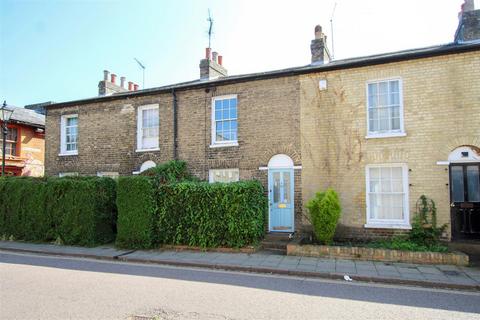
(324, 210)
(424, 227)
(136, 212)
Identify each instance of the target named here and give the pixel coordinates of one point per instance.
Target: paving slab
(306, 267)
(400, 273)
(408, 270)
(309, 261)
(107, 252)
(430, 270)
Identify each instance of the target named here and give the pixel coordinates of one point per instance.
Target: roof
(28, 117)
(411, 54)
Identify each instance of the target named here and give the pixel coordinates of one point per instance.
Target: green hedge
(189, 213)
(22, 209)
(211, 215)
(169, 172)
(74, 210)
(136, 212)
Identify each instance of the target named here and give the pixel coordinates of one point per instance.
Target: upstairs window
(11, 142)
(148, 124)
(69, 135)
(385, 108)
(224, 121)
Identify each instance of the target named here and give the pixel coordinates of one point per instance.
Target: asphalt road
(45, 287)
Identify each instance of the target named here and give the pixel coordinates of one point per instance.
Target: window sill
(147, 150)
(386, 225)
(221, 145)
(68, 154)
(386, 135)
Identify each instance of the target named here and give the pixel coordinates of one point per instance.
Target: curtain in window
(386, 193)
(150, 128)
(384, 106)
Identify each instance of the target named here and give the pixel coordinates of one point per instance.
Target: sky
(57, 50)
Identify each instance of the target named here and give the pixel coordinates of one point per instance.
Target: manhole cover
(451, 273)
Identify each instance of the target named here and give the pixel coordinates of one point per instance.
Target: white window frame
(108, 174)
(215, 143)
(211, 174)
(388, 223)
(394, 133)
(63, 135)
(68, 174)
(140, 110)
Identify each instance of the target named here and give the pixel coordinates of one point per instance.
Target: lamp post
(5, 115)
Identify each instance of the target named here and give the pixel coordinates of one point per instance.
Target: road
(46, 287)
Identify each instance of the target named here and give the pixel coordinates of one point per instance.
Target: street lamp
(5, 115)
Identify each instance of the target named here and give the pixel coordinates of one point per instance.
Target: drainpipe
(175, 124)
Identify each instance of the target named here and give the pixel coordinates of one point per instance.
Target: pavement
(38, 286)
(432, 276)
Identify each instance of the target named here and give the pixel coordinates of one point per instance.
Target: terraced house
(381, 130)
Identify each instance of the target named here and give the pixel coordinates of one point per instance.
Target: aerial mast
(143, 70)
(210, 28)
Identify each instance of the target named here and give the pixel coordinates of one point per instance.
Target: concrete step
(274, 244)
(274, 251)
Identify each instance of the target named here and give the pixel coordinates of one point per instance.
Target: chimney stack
(107, 88)
(318, 47)
(130, 85)
(135, 87)
(210, 68)
(469, 23)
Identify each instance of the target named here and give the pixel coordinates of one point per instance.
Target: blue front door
(280, 195)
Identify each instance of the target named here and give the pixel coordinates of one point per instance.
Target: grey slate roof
(410, 54)
(29, 117)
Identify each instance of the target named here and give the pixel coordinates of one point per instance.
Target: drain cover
(451, 273)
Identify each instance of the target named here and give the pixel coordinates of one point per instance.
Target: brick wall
(441, 112)
(268, 124)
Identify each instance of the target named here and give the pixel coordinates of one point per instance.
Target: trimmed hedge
(211, 215)
(136, 212)
(74, 210)
(169, 172)
(189, 213)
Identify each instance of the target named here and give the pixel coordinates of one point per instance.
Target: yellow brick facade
(441, 99)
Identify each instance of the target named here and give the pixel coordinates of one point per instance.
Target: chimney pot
(214, 56)
(135, 87)
(207, 53)
(468, 5)
(130, 85)
(318, 47)
(220, 58)
(105, 75)
(122, 82)
(113, 76)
